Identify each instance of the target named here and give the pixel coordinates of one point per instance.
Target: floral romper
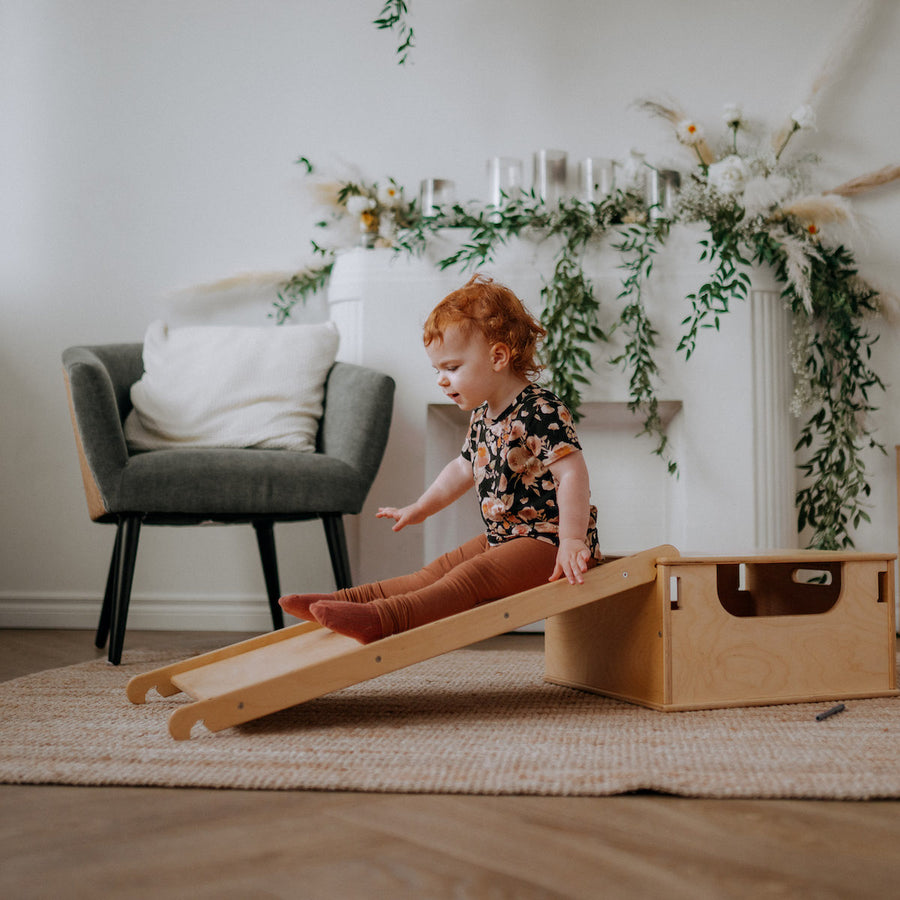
(511, 458)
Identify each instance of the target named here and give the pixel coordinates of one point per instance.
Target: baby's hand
(408, 515)
(572, 560)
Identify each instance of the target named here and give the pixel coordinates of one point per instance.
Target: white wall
(148, 145)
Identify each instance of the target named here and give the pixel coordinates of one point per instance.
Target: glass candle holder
(504, 179)
(550, 175)
(596, 178)
(435, 193)
(662, 192)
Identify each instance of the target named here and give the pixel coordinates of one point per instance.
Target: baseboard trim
(173, 612)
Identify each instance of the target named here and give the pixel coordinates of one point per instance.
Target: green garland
(832, 348)
(570, 307)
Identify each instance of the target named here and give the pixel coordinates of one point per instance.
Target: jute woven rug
(471, 722)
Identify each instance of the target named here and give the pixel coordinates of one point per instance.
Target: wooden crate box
(787, 627)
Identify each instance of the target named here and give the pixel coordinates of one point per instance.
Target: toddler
(523, 456)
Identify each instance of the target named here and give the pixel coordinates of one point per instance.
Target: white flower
(762, 194)
(389, 195)
(729, 175)
(357, 204)
(804, 117)
(733, 115)
(688, 132)
(387, 227)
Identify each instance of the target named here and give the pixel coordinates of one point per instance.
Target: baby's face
(465, 370)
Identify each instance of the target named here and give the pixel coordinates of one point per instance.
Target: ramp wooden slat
(160, 680)
(307, 649)
(272, 672)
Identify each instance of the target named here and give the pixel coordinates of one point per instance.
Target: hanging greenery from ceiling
(393, 17)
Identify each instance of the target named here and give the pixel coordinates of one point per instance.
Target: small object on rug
(830, 712)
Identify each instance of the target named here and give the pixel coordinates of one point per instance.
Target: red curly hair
(484, 305)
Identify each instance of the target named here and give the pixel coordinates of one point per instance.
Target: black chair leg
(108, 594)
(265, 538)
(337, 549)
(127, 541)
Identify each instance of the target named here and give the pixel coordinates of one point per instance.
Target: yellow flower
(368, 221)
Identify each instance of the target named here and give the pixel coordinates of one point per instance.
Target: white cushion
(231, 386)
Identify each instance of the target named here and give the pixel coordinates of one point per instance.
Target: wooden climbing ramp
(265, 674)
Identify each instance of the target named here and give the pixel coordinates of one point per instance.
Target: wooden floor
(72, 842)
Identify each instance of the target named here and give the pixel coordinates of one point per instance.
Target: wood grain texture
(253, 678)
(698, 640)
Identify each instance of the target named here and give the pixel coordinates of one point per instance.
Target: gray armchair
(191, 486)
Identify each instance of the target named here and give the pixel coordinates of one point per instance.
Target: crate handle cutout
(751, 590)
(882, 585)
(674, 590)
(811, 576)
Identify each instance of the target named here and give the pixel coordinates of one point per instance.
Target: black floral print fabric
(511, 458)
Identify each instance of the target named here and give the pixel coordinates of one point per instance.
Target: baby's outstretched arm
(453, 481)
(573, 498)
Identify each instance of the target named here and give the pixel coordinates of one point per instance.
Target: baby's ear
(501, 356)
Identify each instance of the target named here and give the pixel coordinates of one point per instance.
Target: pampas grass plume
(820, 209)
(866, 182)
(241, 281)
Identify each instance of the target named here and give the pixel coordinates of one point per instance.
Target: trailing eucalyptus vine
(728, 281)
(638, 244)
(832, 355)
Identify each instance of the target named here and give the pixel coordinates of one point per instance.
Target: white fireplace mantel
(731, 430)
